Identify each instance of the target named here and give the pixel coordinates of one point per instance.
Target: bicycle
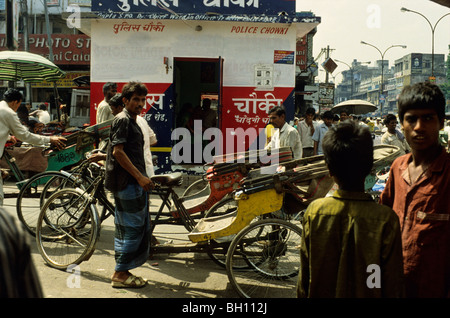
(36, 190)
(68, 225)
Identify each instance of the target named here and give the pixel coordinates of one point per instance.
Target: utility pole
(10, 32)
(24, 9)
(50, 49)
(327, 55)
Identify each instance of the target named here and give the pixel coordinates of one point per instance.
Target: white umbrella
(354, 106)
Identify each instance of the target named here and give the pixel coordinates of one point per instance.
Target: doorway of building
(197, 83)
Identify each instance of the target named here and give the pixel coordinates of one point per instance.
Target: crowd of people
(405, 236)
(400, 247)
(312, 127)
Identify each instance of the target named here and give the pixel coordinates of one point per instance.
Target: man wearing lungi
(127, 179)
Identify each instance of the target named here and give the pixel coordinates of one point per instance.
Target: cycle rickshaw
(222, 178)
(66, 168)
(260, 245)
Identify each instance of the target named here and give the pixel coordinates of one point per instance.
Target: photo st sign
(213, 10)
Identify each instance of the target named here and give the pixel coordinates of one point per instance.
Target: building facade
(70, 51)
(410, 69)
(239, 54)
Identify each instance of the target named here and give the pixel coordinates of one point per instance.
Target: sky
(345, 23)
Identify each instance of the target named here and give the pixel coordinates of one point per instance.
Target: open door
(197, 80)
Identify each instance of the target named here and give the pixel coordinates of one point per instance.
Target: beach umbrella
(28, 67)
(354, 106)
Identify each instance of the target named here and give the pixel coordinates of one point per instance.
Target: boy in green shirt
(351, 245)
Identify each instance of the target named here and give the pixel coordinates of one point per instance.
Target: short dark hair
(108, 86)
(134, 88)
(328, 114)
(348, 152)
(278, 110)
(389, 118)
(423, 95)
(42, 106)
(12, 95)
(116, 100)
(310, 111)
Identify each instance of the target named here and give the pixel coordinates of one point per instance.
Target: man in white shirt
(306, 130)
(447, 130)
(393, 136)
(10, 124)
(116, 104)
(149, 140)
(104, 112)
(42, 114)
(285, 135)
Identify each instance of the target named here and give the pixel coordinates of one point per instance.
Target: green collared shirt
(351, 247)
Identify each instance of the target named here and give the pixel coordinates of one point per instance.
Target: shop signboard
(283, 57)
(68, 49)
(211, 10)
(269, 7)
(416, 63)
(301, 52)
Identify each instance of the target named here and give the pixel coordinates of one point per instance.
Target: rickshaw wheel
(218, 247)
(271, 250)
(37, 190)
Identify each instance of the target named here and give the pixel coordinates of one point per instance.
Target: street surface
(185, 275)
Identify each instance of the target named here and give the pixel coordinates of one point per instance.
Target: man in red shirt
(418, 190)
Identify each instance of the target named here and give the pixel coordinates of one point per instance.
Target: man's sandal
(131, 282)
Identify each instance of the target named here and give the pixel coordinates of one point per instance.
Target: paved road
(186, 275)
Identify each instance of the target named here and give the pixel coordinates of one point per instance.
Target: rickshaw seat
(169, 180)
(249, 207)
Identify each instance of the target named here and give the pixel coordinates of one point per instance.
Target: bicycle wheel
(218, 248)
(271, 248)
(67, 228)
(37, 190)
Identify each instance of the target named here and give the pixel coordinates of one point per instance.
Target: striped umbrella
(29, 67)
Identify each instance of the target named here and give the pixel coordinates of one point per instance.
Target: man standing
(306, 130)
(394, 137)
(104, 112)
(127, 179)
(321, 130)
(10, 124)
(149, 141)
(418, 190)
(209, 116)
(343, 116)
(285, 135)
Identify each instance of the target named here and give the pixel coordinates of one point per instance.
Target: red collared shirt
(423, 209)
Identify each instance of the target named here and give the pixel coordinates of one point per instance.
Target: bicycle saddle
(171, 179)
